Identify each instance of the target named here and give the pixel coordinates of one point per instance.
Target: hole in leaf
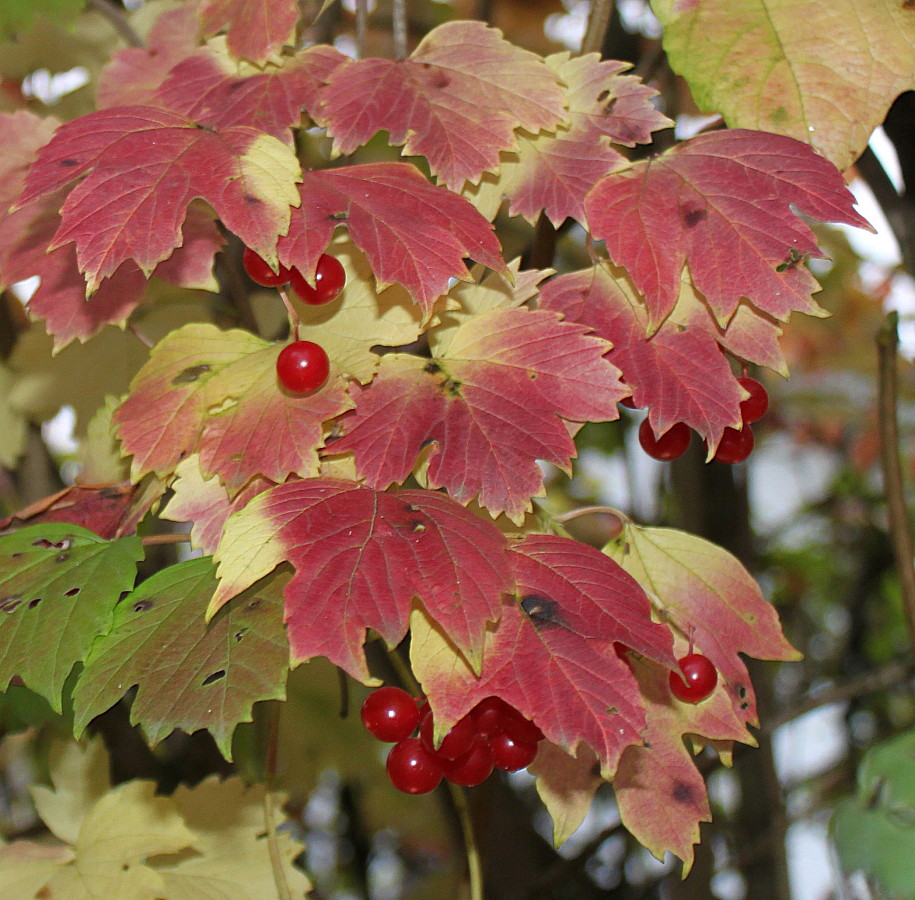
(240, 633)
(254, 604)
(142, 606)
(35, 602)
(214, 676)
(541, 610)
(72, 592)
(10, 603)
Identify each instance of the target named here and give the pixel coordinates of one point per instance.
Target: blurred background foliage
(806, 514)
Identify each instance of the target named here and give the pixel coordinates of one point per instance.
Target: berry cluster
(735, 445)
(492, 735)
(303, 366)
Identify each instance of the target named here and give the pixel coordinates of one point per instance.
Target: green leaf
(18, 15)
(191, 674)
(59, 584)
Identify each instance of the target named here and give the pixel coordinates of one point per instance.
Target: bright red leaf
(678, 373)
(360, 559)
(256, 28)
(552, 656)
(455, 100)
(493, 404)
(204, 88)
(721, 202)
(413, 232)
(143, 166)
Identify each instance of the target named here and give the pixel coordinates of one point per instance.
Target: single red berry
(302, 367)
(698, 681)
(390, 714)
(668, 446)
(330, 277)
(474, 767)
(754, 407)
(521, 728)
(735, 446)
(490, 715)
(259, 270)
(510, 754)
(456, 743)
(412, 768)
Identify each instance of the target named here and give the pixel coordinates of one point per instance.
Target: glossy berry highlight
(330, 279)
(302, 367)
(259, 270)
(668, 446)
(390, 714)
(510, 754)
(412, 768)
(698, 680)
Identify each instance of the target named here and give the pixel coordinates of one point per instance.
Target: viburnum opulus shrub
(369, 471)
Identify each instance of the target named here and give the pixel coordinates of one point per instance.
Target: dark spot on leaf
(442, 81)
(237, 457)
(453, 387)
(692, 217)
(532, 376)
(69, 162)
(254, 604)
(125, 867)
(426, 65)
(42, 542)
(432, 368)
(235, 85)
(10, 603)
(608, 109)
(61, 557)
(612, 711)
(35, 602)
(109, 493)
(142, 606)
(416, 526)
(240, 633)
(410, 507)
(190, 374)
(214, 676)
(682, 793)
(541, 610)
(72, 592)
(744, 705)
(741, 691)
(338, 217)
(252, 200)
(16, 555)
(603, 95)
(182, 454)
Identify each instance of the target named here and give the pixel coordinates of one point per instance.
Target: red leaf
(145, 165)
(360, 559)
(202, 88)
(678, 372)
(413, 232)
(722, 203)
(491, 403)
(456, 100)
(257, 28)
(134, 75)
(552, 655)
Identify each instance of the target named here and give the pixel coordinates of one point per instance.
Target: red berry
(302, 367)
(521, 728)
(668, 446)
(260, 272)
(456, 743)
(330, 277)
(754, 407)
(735, 446)
(698, 681)
(490, 715)
(510, 754)
(474, 767)
(390, 714)
(412, 768)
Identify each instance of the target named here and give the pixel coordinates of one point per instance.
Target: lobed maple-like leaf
(809, 72)
(706, 594)
(721, 202)
(455, 100)
(208, 88)
(553, 171)
(190, 673)
(491, 403)
(552, 655)
(678, 372)
(361, 557)
(256, 28)
(58, 587)
(143, 165)
(134, 75)
(412, 232)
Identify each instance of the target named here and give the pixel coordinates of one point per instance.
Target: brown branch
(399, 27)
(118, 20)
(151, 540)
(362, 26)
(893, 486)
(598, 22)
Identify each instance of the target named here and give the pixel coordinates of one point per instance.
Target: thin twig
(868, 683)
(399, 27)
(142, 338)
(598, 22)
(589, 510)
(118, 21)
(276, 860)
(362, 26)
(900, 527)
(151, 540)
(343, 684)
(474, 867)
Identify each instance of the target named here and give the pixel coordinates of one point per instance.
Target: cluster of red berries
(302, 367)
(493, 735)
(735, 445)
